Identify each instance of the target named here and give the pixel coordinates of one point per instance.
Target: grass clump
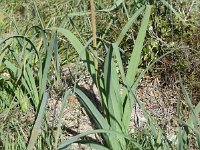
(31, 62)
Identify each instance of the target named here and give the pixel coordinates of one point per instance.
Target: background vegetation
(38, 38)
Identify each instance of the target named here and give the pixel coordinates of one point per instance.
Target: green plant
(117, 107)
(189, 128)
(28, 70)
(28, 59)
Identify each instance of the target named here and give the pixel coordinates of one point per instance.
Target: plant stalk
(93, 21)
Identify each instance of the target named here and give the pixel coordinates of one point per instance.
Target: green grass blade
(76, 138)
(92, 109)
(119, 61)
(37, 14)
(38, 123)
(180, 139)
(22, 99)
(128, 25)
(193, 119)
(115, 94)
(24, 79)
(196, 111)
(114, 103)
(85, 56)
(49, 52)
(27, 84)
(194, 129)
(94, 145)
(99, 120)
(24, 38)
(63, 105)
(33, 85)
(187, 98)
(112, 88)
(135, 56)
(56, 59)
(133, 66)
(17, 74)
(11, 66)
(73, 40)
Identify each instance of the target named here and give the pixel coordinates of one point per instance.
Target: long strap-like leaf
(133, 65)
(38, 123)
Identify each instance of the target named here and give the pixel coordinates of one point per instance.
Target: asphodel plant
(113, 123)
(117, 106)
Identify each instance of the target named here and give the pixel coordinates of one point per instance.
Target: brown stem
(93, 23)
(94, 42)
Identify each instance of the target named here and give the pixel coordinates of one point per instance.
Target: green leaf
(85, 56)
(49, 52)
(128, 25)
(112, 88)
(38, 123)
(114, 103)
(76, 138)
(92, 109)
(119, 61)
(138, 46)
(99, 120)
(63, 105)
(22, 99)
(32, 85)
(73, 40)
(187, 98)
(133, 66)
